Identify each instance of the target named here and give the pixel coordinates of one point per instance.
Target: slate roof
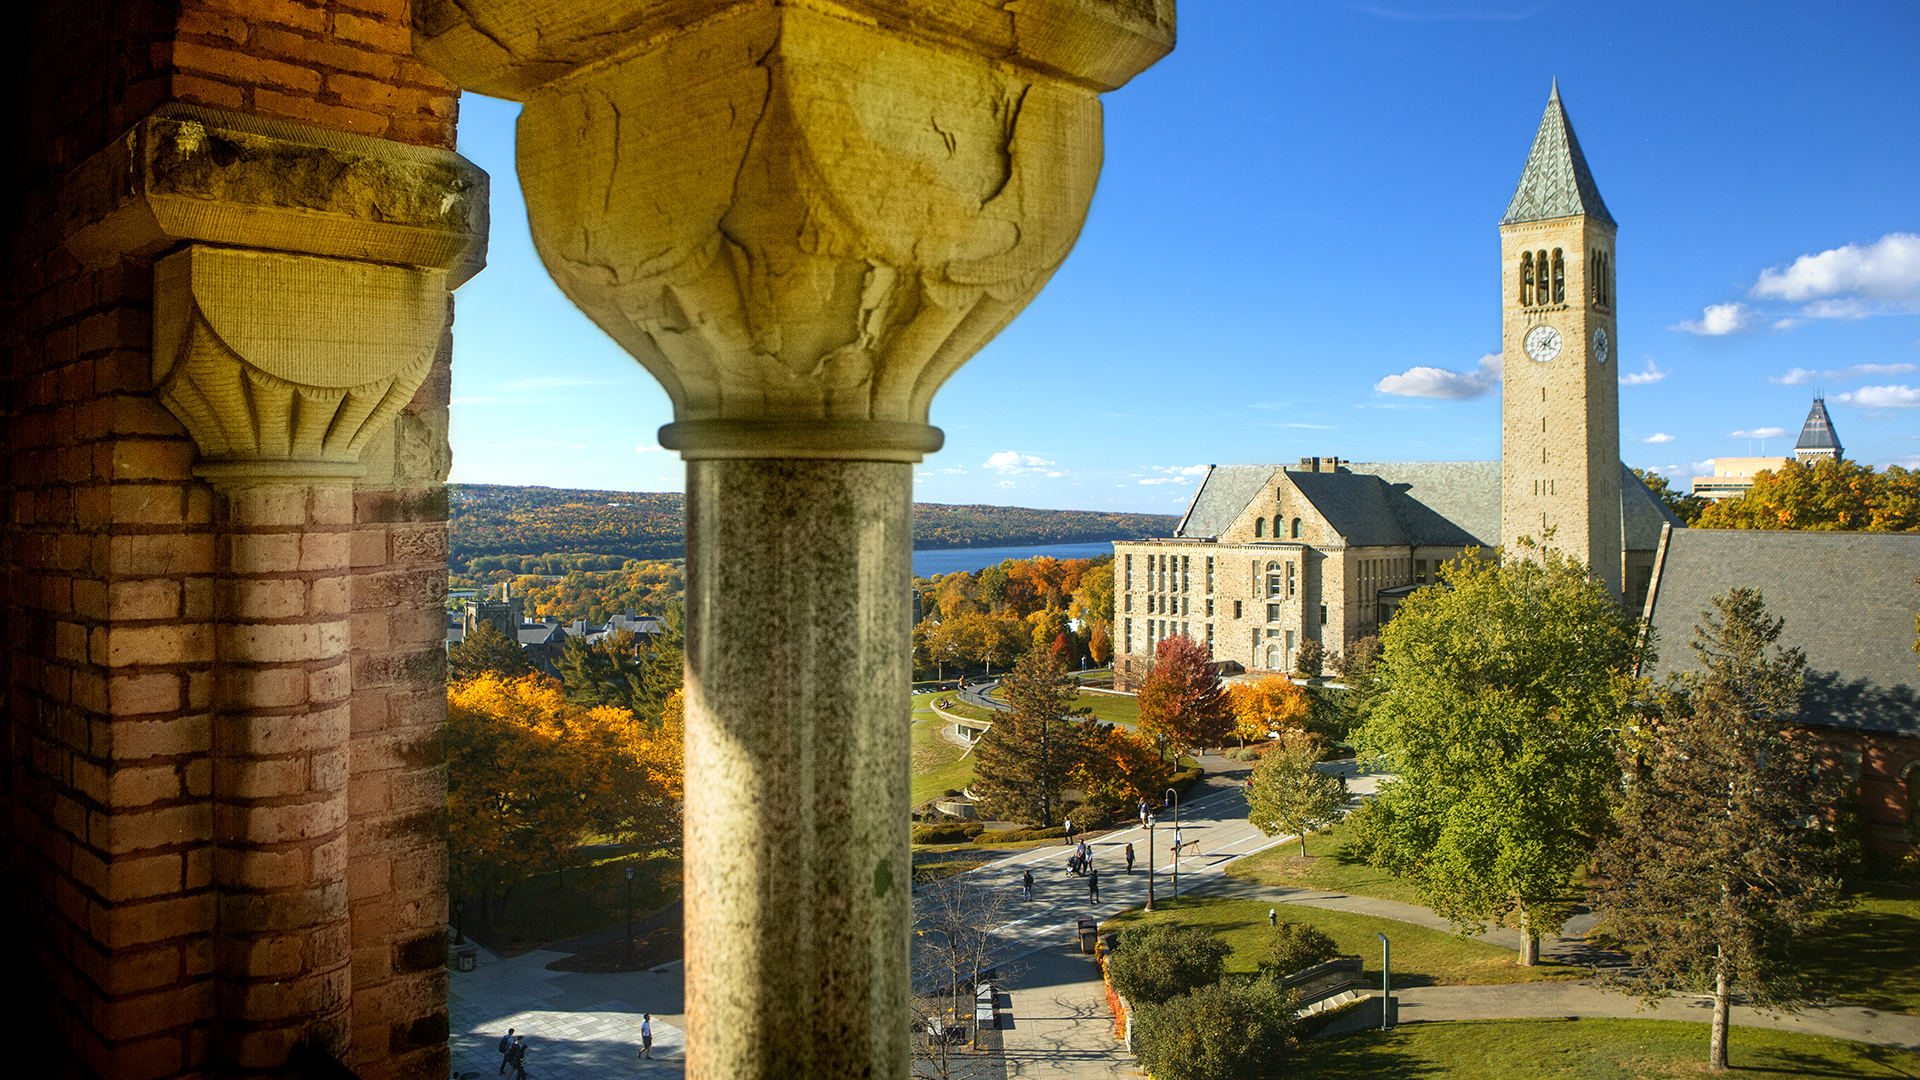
(1223, 494)
(1443, 503)
(1848, 600)
(1556, 182)
(1642, 513)
(1817, 433)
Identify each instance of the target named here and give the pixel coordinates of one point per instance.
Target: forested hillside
(498, 520)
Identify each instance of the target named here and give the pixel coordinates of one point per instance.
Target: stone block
(125, 646)
(283, 643)
(153, 598)
(171, 826)
(133, 740)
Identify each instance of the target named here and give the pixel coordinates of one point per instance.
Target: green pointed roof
(1817, 433)
(1556, 182)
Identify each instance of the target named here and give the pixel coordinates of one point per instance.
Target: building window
(1127, 629)
(1186, 573)
(1273, 612)
(1209, 636)
(1323, 614)
(1259, 528)
(1273, 658)
(1289, 650)
(1420, 571)
(1129, 603)
(1559, 278)
(1186, 605)
(1273, 580)
(1236, 609)
(1279, 529)
(1290, 579)
(1296, 528)
(1129, 565)
(1184, 632)
(1209, 607)
(1209, 573)
(1526, 279)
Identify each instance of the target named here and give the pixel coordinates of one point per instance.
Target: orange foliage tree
(529, 775)
(1182, 701)
(1273, 703)
(1121, 768)
(1827, 495)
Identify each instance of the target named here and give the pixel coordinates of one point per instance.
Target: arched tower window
(1526, 279)
(1559, 277)
(1296, 528)
(1542, 291)
(1259, 527)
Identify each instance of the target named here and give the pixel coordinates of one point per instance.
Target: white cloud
(1653, 374)
(1013, 463)
(1784, 325)
(1175, 474)
(1718, 320)
(1887, 269)
(1702, 468)
(1882, 397)
(1433, 382)
(1909, 462)
(1836, 309)
(1659, 437)
(1758, 433)
(1006, 483)
(1802, 376)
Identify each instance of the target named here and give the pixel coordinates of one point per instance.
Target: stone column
(802, 222)
(303, 301)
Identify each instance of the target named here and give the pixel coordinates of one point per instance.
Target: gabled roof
(1224, 493)
(1556, 182)
(1358, 506)
(1642, 513)
(1848, 600)
(1817, 433)
(1443, 503)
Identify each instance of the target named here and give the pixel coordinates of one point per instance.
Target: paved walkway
(578, 1026)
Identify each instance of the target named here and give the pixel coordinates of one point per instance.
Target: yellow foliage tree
(530, 774)
(1270, 704)
(1121, 768)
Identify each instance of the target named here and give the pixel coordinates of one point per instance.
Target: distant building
(544, 640)
(1734, 475)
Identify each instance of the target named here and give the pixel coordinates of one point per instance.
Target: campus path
(578, 1026)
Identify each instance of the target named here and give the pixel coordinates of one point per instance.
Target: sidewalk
(578, 1026)
(1058, 1027)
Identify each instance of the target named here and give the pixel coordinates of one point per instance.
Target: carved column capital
(802, 223)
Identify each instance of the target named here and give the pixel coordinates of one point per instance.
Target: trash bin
(466, 959)
(1089, 935)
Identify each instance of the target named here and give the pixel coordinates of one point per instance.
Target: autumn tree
(1287, 794)
(1826, 495)
(486, 651)
(1093, 601)
(530, 773)
(1120, 769)
(1024, 760)
(1499, 699)
(1271, 703)
(1100, 644)
(1719, 863)
(1182, 702)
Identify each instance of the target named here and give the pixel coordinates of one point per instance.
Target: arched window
(1593, 278)
(1259, 527)
(1296, 528)
(1542, 289)
(1273, 658)
(1275, 587)
(1526, 279)
(1559, 277)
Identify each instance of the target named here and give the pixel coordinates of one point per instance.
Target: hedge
(958, 833)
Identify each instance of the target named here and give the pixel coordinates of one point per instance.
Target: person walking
(1143, 813)
(518, 1057)
(1129, 858)
(506, 1047)
(1026, 884)
(1067, 838)
(646, 1036)
(1093, 884)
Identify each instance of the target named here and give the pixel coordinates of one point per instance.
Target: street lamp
(629, 916)
(1147, 820)
(1386, 984)
(1175, 796)
(459, 935)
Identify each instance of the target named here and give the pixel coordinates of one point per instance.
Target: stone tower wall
(1560, 420)
(111, 556)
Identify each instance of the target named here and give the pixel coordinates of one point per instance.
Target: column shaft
(798, 677)
(280, 770)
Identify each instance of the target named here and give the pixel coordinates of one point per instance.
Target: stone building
(233, 228)
(1269, 557)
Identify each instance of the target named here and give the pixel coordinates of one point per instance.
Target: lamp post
(1386, 983)
(1148, 822)
(459, 935)
(1175, 796)
(629, 916)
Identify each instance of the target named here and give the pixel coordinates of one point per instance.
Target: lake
(948, 560)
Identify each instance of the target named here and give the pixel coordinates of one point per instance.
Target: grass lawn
(1421, 957)
(1871, 954)
(1112, 708)
(937, 763)
(1590, 1050)
(555, 907)
(1329, 865)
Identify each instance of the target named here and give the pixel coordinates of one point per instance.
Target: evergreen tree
(486, 651)
(1719, 860)
(1026, 757)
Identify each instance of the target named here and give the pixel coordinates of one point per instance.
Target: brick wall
(110, 556)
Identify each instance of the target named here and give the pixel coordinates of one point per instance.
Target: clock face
(1600, 345)
(1542, 343)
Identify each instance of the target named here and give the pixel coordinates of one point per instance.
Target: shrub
(1310, 658)
(1230, 1030)
(1186, 778)
(1293, 947)
(956, 833)
(1088, 817)
(1012, 836)
(1154, 963)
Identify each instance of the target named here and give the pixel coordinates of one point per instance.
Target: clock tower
(1560, 408)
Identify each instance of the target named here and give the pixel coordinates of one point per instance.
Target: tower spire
(1556, 182)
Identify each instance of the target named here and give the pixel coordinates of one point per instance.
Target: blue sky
(1300, 203)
